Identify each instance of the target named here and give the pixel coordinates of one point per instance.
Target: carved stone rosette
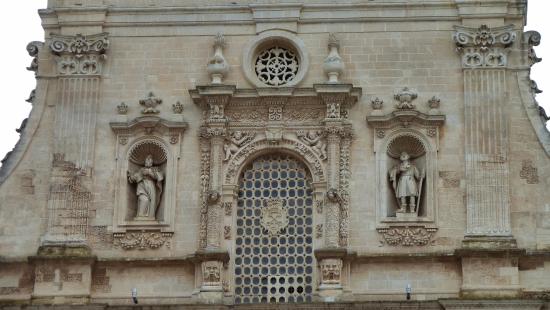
(80, 55)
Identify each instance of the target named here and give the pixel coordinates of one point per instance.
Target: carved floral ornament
(80, 55)
(484, 46)
(407, 235)
(142, 240)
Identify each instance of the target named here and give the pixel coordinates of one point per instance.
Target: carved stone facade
(215, 154)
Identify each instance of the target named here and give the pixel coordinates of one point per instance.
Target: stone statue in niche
(149, 189)
(406, 181)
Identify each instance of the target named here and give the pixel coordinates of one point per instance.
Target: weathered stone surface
(319, 98)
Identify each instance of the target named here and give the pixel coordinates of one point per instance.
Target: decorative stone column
(79, 62)
(484, 52)
(337, 98)
(488, 244)
(211, 257)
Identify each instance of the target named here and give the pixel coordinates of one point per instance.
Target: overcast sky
(20, 24)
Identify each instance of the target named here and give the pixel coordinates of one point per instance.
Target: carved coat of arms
(274, 217)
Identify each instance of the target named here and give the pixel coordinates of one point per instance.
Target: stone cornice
(148, 122)
(405, 117)
(201, 93)
(301, 14)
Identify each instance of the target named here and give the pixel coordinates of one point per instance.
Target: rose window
(274, 238)
(276, 66)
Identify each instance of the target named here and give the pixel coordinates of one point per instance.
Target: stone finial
(150, 104)
(434, 104)
(218, 67)
(405, 98)
(177, 108)
(122, 108)
(376, 104)
(333, 64)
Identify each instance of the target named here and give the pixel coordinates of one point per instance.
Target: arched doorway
(274, 238)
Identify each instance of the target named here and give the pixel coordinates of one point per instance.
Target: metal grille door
(274, 242)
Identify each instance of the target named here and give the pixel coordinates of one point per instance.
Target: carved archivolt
(264, 145)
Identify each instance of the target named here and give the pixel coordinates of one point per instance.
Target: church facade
(297, 154)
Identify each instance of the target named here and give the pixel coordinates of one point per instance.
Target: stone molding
(484, 46)
(79, 54)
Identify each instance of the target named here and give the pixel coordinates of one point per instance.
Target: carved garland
(407, 235)
(141, 240)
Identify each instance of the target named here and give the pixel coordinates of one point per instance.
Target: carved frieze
(142, 240)
(80, 55)
(484, 46)
(407, 235)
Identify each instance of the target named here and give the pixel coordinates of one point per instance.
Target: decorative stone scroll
(80, 55)
(530, 39)
(33, 48)
(484, 46)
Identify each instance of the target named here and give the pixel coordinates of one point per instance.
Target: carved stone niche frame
(135, 140)
(417, 134)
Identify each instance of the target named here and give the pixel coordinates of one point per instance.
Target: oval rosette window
(275, 59)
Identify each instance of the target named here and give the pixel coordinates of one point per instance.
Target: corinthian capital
(484, 46)
(79, 55)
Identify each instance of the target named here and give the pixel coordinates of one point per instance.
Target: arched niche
(136, 159)
(423, 155)
(136, 139)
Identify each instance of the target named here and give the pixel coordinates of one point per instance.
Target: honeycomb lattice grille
(274, 268)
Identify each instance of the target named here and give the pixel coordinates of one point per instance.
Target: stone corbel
(338, 98)
(530, 39)
(33, 48)
(210, 272)
(213, 100)
(80, 55)
(334, 272)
